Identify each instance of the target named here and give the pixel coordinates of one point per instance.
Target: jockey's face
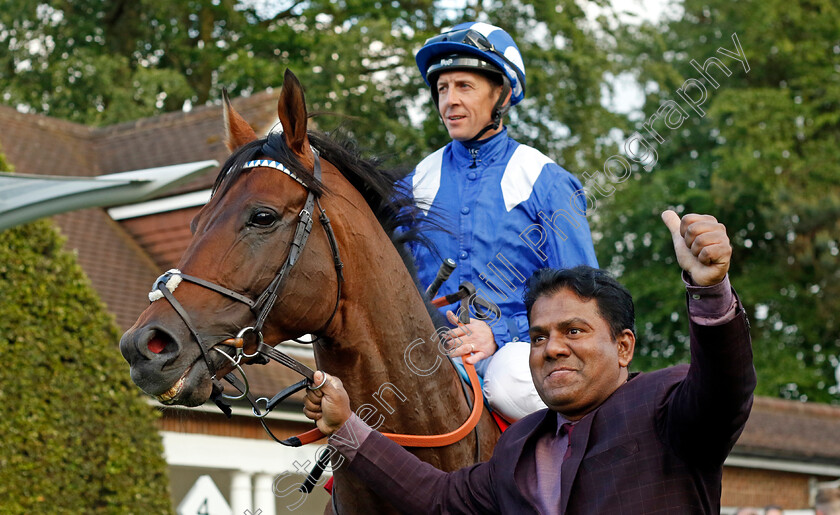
(576, 363)
(465, 101)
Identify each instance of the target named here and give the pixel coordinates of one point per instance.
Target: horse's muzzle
(155, 359)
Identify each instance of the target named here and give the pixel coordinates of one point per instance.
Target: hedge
(77, 436)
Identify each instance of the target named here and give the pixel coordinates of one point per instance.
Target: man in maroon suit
(611, 441)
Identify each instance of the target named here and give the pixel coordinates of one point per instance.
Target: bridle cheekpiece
(165, 285)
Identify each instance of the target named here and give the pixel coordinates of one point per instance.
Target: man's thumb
(672, 221)
(320, 378)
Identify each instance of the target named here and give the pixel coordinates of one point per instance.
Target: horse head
(250, 246)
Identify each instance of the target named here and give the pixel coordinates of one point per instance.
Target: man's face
(465, 101)
(575, 362)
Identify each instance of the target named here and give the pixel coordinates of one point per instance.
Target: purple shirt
(707, 305)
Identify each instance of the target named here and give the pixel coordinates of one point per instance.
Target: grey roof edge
(102, 191)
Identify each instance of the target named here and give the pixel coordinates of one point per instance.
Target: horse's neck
(381, 317)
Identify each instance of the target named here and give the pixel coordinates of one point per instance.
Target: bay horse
(366, 315)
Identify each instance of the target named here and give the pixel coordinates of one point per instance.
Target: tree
(78, 60)
(101, 63)
(761, 154)
(77, 435)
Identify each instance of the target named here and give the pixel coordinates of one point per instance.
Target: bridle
(165, 285)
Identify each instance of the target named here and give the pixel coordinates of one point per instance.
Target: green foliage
(764, 160)
(5, 165)
(101, 63)
(77, 436)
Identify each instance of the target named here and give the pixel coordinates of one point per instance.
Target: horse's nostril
(158, 342)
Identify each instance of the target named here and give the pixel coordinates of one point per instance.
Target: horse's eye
(263, 218)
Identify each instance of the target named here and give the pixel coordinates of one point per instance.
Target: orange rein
(453, 436)
(314, 435)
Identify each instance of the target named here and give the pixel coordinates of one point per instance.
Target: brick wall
(759, 488)
(188, 421)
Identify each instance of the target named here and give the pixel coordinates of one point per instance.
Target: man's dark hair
(615, 304)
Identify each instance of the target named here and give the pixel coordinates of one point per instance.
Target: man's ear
(626, 342)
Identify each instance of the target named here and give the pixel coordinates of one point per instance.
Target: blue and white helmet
(474, 45)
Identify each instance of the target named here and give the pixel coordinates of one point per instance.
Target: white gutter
(192, 199)
(799, 467)
(233, 453)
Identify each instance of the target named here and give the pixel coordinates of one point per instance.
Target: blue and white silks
(511, 210)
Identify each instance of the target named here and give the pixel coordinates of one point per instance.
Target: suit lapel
(522, 455)
(579, 441)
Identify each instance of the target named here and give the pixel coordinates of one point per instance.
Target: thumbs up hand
(701, 245)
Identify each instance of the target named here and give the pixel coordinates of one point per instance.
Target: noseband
(165, 285)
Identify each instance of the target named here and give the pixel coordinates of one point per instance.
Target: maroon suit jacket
(657, 445)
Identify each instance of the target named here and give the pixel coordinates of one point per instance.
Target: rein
(453, 436)
(165, 285)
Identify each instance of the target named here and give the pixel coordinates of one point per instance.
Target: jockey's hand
(329, 405)
(701, 245)
(474, 341)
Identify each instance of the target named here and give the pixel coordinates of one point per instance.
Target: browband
(269, 163)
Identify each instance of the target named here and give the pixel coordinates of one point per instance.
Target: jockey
(508, 209)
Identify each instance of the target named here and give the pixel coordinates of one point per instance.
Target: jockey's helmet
(474, 46)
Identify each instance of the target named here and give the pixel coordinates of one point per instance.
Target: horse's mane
(389, 199)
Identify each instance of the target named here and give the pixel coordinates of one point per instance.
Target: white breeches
(508, 386)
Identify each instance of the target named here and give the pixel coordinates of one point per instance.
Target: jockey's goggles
(476, 40)
(466, 36)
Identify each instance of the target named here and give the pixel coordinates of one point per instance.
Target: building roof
(24, 198)
(792, 430)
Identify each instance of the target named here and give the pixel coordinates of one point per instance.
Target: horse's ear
(237, 130)
(291, 108)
